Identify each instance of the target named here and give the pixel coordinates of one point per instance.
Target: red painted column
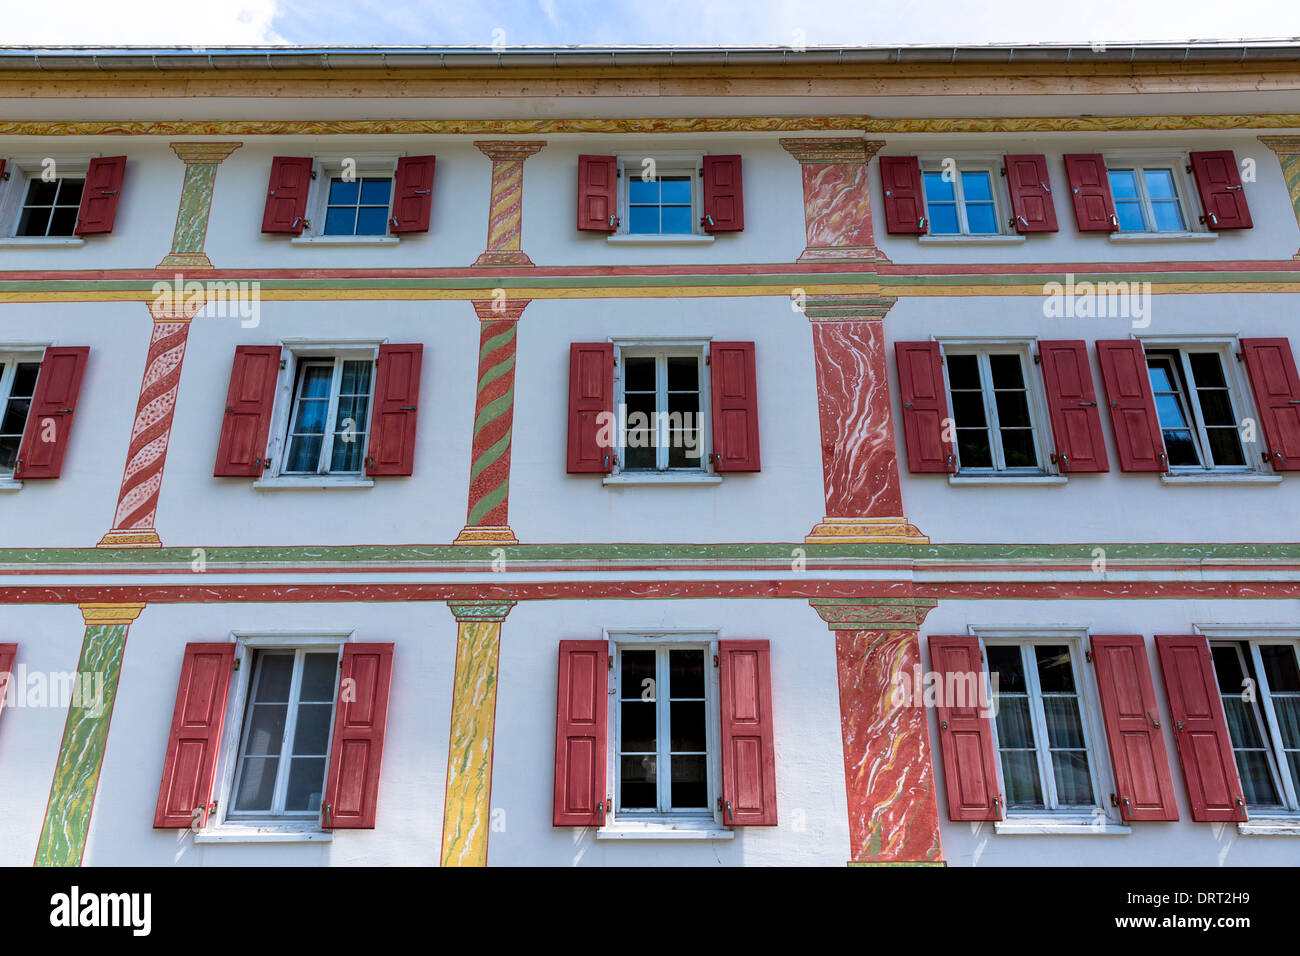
(836, 198)
(888, 771)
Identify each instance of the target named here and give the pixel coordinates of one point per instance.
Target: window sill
(695, 830)
(650, 240)
(1065, 826)
(1277, 826)
(43, 241)
(244, 834)
(932, 240)
(1162, 236)
(10, 484)
(661, 478)
(288, 481)
(1007, 479)
(1231, 478)
(345, 241)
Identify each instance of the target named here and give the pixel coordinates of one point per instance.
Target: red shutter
(7, 651)
(591, 401)
(412, 194)
(1094, 209)
(1222, 195)
(357, 751)
(724, 201)
(1276, 387)
(190, 766)
(900, 177)
(1032, 208)
(970, 770)
(242, 448)
(397, 403)
(1143, 785)
(734, 387)
(99, 196)
(1200, 730)
(49, 420)
(597, 193)
(286, 195)
(1072, 401)
(581, 735)
(925, 407)
(1138, 440)
(748, 746)
(2, 170)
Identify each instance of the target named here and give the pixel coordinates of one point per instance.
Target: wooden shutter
(1200, 729)
(597, 193)
(1094, 209)
(1072, 402)
(1143, 785)
(1222, 196)
(1276, 387)
(7, 651)
(412, 194)
(733, 385)
(247, 424)
(970, 772)
(1138, 439)
(581, 735)
(900, 177)
(748, 745)
(724, 201)
(190, 765)
(925, 407)
(49, 419)
(99, 196)
(286, 195)
(357, 750)
(591, 395)
(397, 403)
(1032, 208)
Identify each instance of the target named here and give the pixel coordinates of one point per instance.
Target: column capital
(499, 310)
(1282, 145)
(505, 150)
(480, 611)
(204, 152)
(98, 613)
(832, 149)
(845, 308)
(873, 614)
(168, 309)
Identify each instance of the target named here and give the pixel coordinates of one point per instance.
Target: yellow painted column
(467, 812)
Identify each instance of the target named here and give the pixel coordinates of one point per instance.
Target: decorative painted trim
(1287, 149)
(836, 198)
(882, 530)
(201, 161)
(104, 614)
(505, 214)
(850, 614)
(479, 611)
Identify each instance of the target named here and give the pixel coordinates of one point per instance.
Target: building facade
(890, 462)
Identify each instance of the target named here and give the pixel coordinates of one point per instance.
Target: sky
(620, 22)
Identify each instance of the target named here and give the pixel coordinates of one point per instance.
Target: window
(664, 698)
(330, 416)
(358, 206)
(661, 409)
(993, 415)
(1039, 732)
(661, 206)
(961, 204)
(285, 739)
(50, 207)
(1147, 198)
(1259, 683)
(1196, 411)
(17, 386)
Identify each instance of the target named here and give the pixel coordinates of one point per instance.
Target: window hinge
(313, 173)
(609, 664)
(1241, 356)
(1087, 656)
(1188, 167)
(618, 174)
(1003, 170)
(236, 667)
(708, 359)
(1038, 358)
(283, 365)
(715, 660)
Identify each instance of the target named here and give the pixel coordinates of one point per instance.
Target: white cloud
(136, 22)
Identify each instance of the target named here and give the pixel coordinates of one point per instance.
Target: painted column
(85, 734)
(487, 518)
(505, 217)
(836, 198)
(467, 815)
(1288, 154)
(146, 454)
(859, 455)
(201, 161)
(888, 773)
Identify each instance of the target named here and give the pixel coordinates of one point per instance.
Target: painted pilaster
(146, 454)
(467, 815)
(859, 455)
(85, 734)
(836, 198)
(888, 773)
(1288, 154)
(201, 161)
(505, 217)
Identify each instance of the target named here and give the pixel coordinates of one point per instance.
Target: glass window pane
(684, 448)
(1227, 668)
(1225, 448)
(1207, 370)
(372, 221)
(41, 193)
(638, 727)
(690, 788)
(937, 189)
(9, 452)
(1013, 409)
(1005, 662)
(1055, 673)
(70, 191)
(968, 409)
(1014, 728)
(341, 221)
(304, 454)
(638, 668)
(256, 783)
(1180, 448)
(1130, 216)
(1256, 781)
(943, 220)
(374, 192)
(1073, 783)
(1018, 448)
(684, 404)
(963, 371)
(1123, 183)
(266, 724)
(1020, 775)
(345, 457)
(1158, 371)
(1280, 668)
(1287, 709)
(25, 379)
(274, 675)
(639, 374)
(343, 192)
(15, 416)
(1168, 217)
(643, 220)
(676, 220)
(63, 221)
(683, 373)
(1160, 183)
(1215, 407)
(34, 221)
(640, 191)
(973, 448)
(982, 220)
(976, 187)
(1007, 371)
(686, 720)
(311, 734)
(638, 783)
(675, 189)
(311, 417)
(686, 673)
(1064, 726)
(1169, 411)
(316, 380)
(306, 783)
(1243, 728)
(318, 672)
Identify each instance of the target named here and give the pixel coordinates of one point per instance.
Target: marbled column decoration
(487, 518)
(467, 815)
(146, 454)
(836, 198)
(1288, 154)
(505, 217)
(85, 734)
(888, 772)
(201, 161)
(859, 456)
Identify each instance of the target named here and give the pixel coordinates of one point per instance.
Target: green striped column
(76, 775)
(1288, 154)
(201, 161)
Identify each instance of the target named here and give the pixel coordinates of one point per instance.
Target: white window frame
(11, 356)
(1184, 186)
(329, 166)
(21, 170)
(972, 164)
(647, 824)
(222, 827)
(667, 162)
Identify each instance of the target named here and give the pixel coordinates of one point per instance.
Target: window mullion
(1042, 743)
(959, 197)
(1194, 408)
(1148, 211)
(290, 725)
(661, 405)
(1277, 754)
(990, 397)
(331, 413)
(663, 765)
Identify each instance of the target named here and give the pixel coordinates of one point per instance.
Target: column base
(897, 863)
(842, 254)
(865, 530)
(117, 538)
(486, 534)
(503, 259)
(187, 260)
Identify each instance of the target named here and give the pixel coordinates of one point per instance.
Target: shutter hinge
(618, 173)
(313, 174)
(283, 365)
(715, 660)
(708, 359)
(1241, 356)
(236, 667)
(1038, 358)
(1003, 170)
(1087, 656)
(1114, 800)
(609, 663)
(1188, 167)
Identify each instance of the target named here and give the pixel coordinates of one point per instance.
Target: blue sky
(714, 22)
